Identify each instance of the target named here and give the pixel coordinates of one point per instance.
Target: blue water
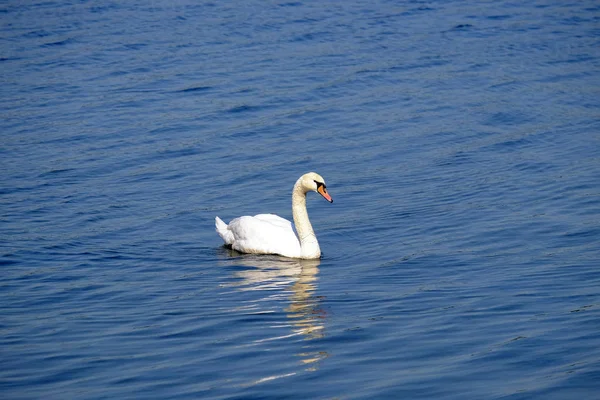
(460, 141)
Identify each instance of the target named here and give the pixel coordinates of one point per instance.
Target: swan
(271, 234)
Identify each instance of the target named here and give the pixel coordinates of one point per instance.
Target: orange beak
(323, 192)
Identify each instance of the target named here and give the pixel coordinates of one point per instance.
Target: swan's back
(275, 220)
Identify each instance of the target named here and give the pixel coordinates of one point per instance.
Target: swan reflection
(293, 279)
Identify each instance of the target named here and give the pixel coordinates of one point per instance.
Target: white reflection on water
(292, 283)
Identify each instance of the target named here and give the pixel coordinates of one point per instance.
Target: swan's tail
(222, 230)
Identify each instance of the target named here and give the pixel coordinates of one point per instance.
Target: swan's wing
(264, 234)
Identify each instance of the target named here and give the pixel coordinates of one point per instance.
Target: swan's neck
(308, 241)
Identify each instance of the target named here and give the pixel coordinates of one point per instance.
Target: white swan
(271, 234)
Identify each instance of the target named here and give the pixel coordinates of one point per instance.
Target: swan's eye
(319, 184)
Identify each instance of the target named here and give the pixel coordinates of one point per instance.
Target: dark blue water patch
(164, 131)
(583, 308)
(245, 108)
(426, 62)
(247, 90)
(195, 89)
(8, 260)
(53, 172)
(508, 85)
(499, 17)
(291, 4)
(511, 118)
(135, 46)
(178, 153)
(575, 59)
(424, 8)
(321, 37)
(59, 43)
(69, 246)
(457, 159)
(95, 9)
(462, 27)
(37, 34)
(573, 378)
(533, 166)
(591, 233)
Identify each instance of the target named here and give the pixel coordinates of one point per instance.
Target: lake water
(459, 140)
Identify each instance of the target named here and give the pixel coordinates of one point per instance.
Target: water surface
(459, 141)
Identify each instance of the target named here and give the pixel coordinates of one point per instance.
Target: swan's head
(313, 182)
